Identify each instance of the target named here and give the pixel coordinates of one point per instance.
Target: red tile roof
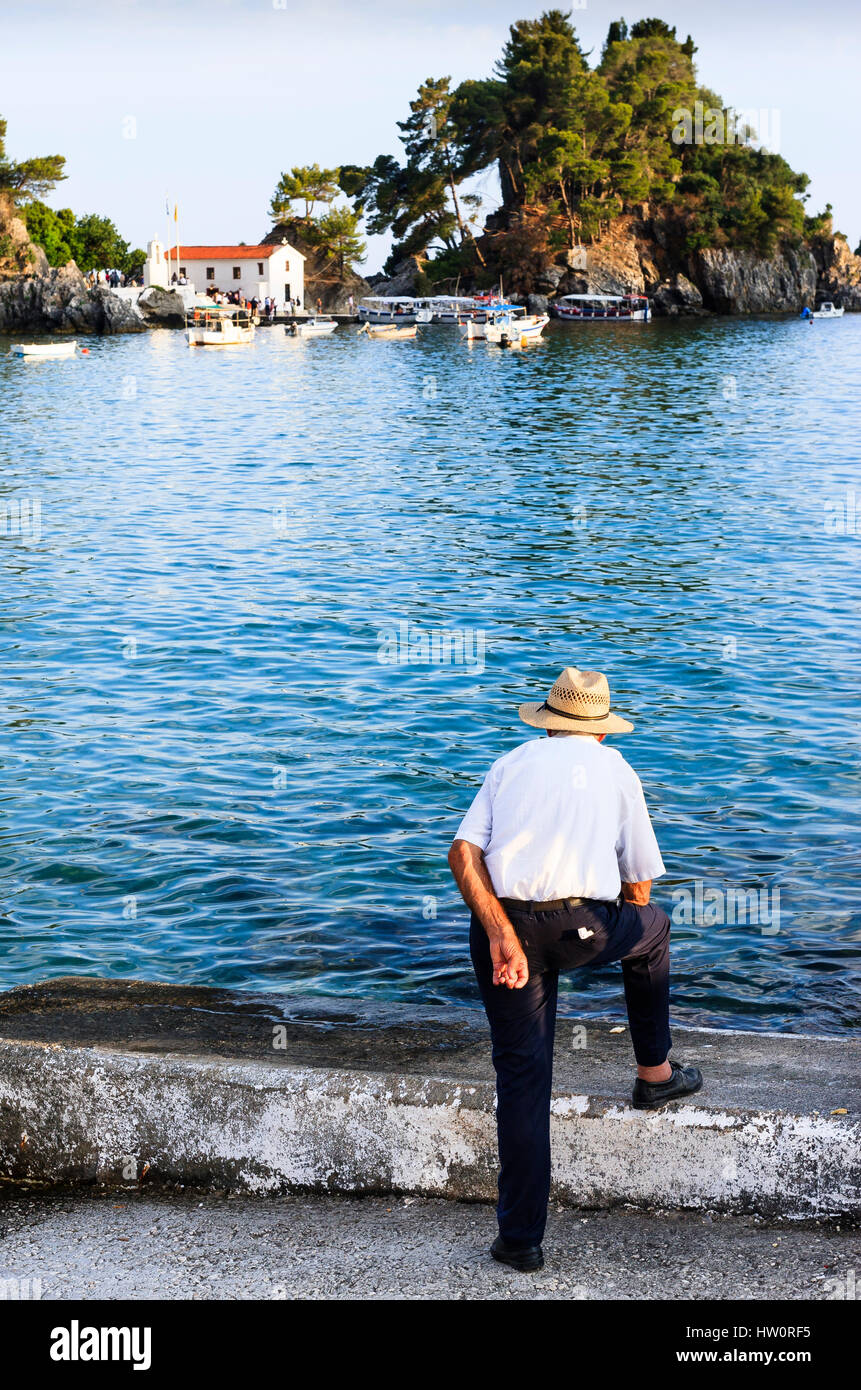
(223, 253)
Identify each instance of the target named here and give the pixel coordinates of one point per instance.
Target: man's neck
(570, 733)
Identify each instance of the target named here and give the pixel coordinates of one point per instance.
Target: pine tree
(32, 178)
(308, 184)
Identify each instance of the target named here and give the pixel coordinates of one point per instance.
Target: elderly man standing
(555, 858)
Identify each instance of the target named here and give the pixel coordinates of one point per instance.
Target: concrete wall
(133, 1082)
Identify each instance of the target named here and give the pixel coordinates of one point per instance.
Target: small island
(629, 177)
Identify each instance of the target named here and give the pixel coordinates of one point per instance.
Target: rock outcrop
(38, 298)
(638, 255)
(742, 282)
(677, 296)
(60, 301)
(334, 291)
(17, 256)
(839, 272)
(402, 279)
(161, 308)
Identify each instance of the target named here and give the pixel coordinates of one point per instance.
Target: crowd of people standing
(265, 308)
(113, 278)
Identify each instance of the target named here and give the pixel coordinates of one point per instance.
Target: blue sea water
(211, 776)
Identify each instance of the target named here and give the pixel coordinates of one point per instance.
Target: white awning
(604, 298)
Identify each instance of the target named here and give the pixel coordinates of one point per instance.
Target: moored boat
(510, 330)
(387, 308)
(451, 308)
(40, 351)
(599, 308)
(317, 326)
(827, 311)
(390, 330)
(474, 327)
(218, 327)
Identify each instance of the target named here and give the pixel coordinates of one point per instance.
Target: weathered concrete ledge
(120, 1082)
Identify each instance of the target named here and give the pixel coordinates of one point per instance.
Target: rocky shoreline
(636, 257)
(632, 260)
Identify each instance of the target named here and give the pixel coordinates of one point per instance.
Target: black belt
(552, 905)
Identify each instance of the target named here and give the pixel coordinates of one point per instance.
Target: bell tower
(155, 265)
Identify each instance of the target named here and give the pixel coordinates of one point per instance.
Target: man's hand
(470, 873)
(509, 963)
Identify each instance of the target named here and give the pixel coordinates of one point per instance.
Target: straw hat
(579, 703)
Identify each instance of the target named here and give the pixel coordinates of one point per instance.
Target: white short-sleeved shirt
(562, 817)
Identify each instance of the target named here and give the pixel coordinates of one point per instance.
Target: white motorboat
(511, 330)
(475, 328)
(827, 311)
(602, 308)
(39, 351)
(316, 326)
(451, 308)
(218, 327)
(387, 308)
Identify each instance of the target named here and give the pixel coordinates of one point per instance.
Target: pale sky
(221, 95)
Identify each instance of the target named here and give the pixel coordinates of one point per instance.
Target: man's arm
(466, 862)
(637, 893)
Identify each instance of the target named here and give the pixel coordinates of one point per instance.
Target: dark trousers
(523, 1023)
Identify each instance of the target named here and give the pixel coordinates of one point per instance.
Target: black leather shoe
(651, 1095)
(527, 1259)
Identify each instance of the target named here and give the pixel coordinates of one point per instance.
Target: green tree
(308, 184)
(574, 147)
(52, 230)
(336, 232)
(821, 223)
(96, 243)
(651, 29)
(617, 33)
(419, 200)
(31, 178)
(433, 159)
(539, 69)
(133, 264)
(651, 74)
(92, 242)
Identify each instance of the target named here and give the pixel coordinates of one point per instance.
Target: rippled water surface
(210, 776)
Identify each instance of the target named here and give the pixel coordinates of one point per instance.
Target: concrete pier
(137, 1083)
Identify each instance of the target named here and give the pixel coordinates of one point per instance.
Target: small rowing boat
(390, 330)
(314, 327)
(38, 351)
